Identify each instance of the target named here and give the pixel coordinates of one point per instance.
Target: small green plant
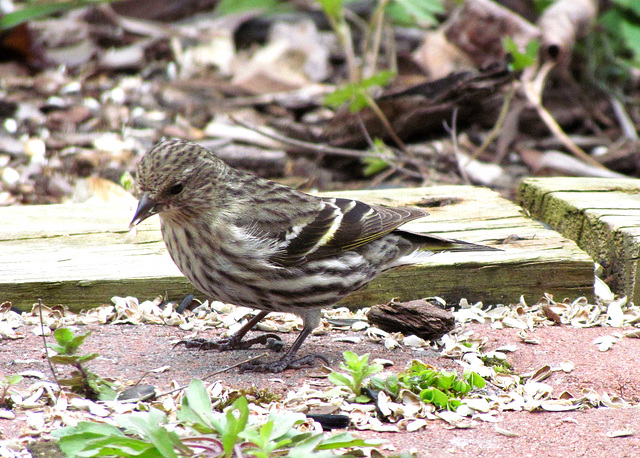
(100, 439)
(196, 411)
(127, 181)
(359, 370)
(519, 60)
(230, 433)
(391, 385)
(7, 382)
(501, 366)
(253, 394)
(357, 94)
(374, 165)
(442, 389)
(81, 380)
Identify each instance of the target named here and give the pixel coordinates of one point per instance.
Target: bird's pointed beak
(146, 207)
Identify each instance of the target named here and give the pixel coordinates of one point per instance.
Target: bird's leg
(288, 361)
(235, 341)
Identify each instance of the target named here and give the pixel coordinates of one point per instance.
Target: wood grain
(81, 255)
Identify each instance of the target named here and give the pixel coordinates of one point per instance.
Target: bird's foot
(280, 365)
(271, 341)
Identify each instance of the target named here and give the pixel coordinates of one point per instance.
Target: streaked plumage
(256, 243)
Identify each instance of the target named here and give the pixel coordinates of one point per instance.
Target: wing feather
(341, 225)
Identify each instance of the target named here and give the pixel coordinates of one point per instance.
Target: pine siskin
(256, 243)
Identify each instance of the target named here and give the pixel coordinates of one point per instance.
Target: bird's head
(177, 179)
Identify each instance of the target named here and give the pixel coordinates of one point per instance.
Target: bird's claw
(271, 341)
(282, 364)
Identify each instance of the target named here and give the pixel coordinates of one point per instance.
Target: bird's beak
(146, 207)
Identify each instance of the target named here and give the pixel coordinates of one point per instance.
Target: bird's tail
(435, 243)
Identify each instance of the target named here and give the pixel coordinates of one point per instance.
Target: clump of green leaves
(442, 389)
(144, 435)
(501, 366)
(359, 370)
(81, 380)
(357, 94)
(230, 433)
(7, 382)
(253, 394)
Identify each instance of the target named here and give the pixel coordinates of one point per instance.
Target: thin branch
(495, 132)
(456, 149)
(314, 148)
(220, 371)
(533, 91)
(373, 39)
(385, 122)
(44, 342)
(303, 146)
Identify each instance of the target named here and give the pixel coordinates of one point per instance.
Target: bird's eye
(176, 188)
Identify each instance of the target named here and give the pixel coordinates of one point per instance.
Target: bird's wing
(340, 225)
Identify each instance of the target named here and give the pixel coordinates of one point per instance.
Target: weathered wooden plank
(81, 255)
(602, 215)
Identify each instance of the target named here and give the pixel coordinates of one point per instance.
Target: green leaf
(127, 181)
(89, 357)
(229, 425)
(75, 343)
(414, 12)
(74, 439)
(341, 379)
(541, 5)
(117, 446)
(197, 397)
(196, 409)
(332, 8)
(475, 380)
(445, 380)
(461, 387)
(373, 165)
(277, 433)
(632, 5)
(453, 404)
(284, 422)
(630, 32)
(226, 7)
(356, 94)
(434, 396)
(36, 10)
(148, 425)
(10, 380)
(344, 440)
(372, 369)
(354, 362)
(521, 60)
(63, 336)
(64, 359)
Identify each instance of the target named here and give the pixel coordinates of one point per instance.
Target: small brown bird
(252, 242)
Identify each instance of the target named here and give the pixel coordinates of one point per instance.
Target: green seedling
(359, 370)
(81, 380)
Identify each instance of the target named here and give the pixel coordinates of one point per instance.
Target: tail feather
(436, 243)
